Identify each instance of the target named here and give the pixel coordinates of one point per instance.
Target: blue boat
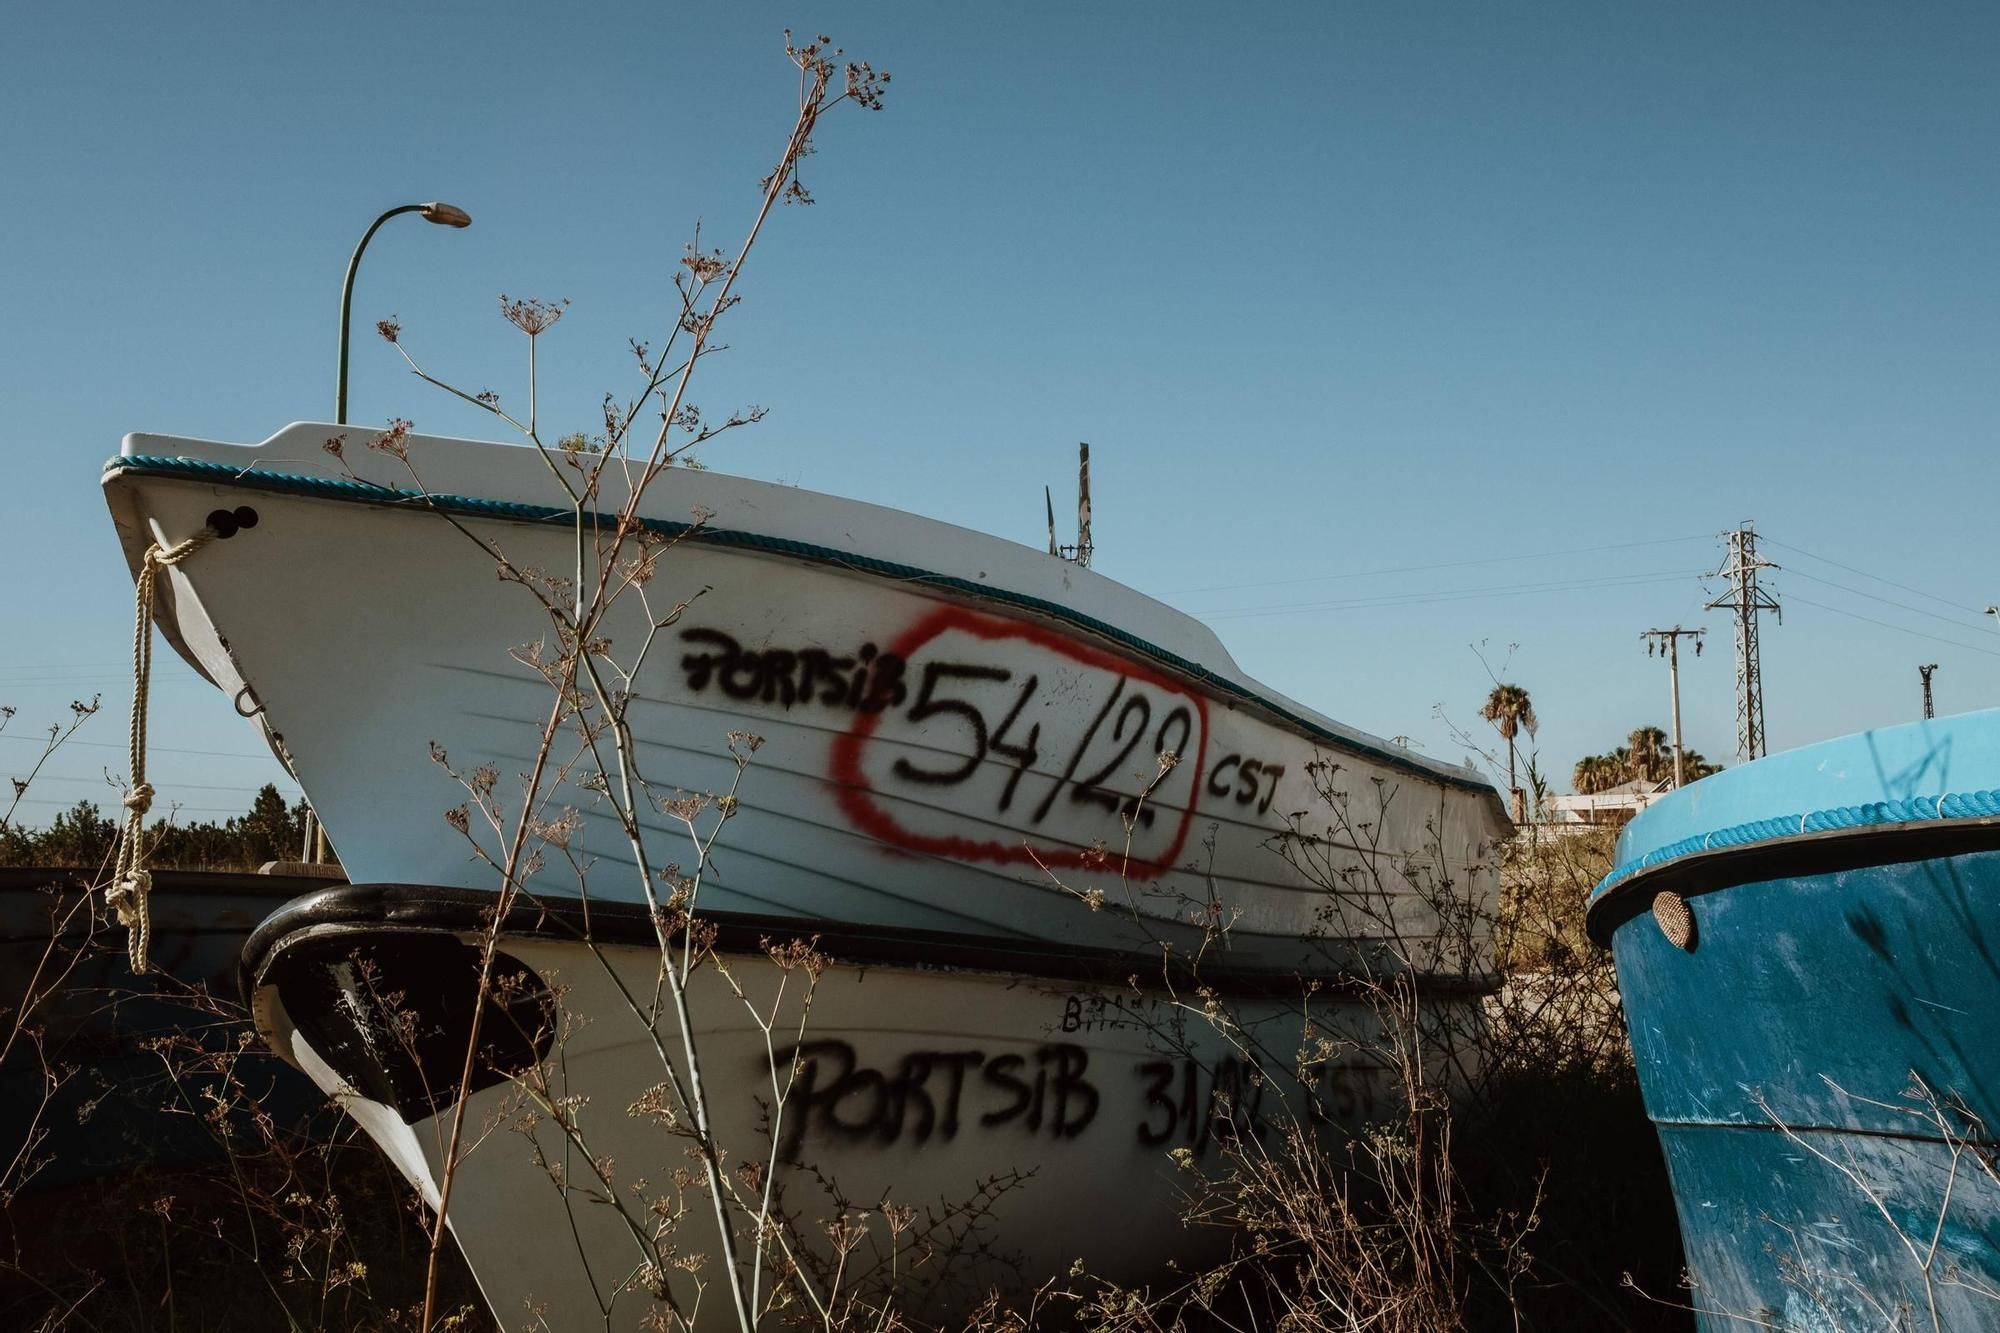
(1809, 952)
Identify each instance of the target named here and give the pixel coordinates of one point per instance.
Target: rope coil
(131, 883)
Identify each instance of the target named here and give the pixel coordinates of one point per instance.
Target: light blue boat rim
(1946, 770)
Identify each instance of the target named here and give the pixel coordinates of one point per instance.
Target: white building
(1609, 808)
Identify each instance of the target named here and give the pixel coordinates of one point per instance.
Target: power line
(1901, 629)
(150, 748)
(182, 809)
(72, 678)
(1425, 569)
(30, 672)
(175, 785)
(1886, 601)
(1451, 595)
(1943, 601)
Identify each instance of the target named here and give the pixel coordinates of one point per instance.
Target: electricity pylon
(1747, 600)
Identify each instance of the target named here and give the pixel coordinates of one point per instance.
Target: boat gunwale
(362, 492)
(1628, 890)
(374, 909)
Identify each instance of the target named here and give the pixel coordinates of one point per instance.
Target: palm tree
(1511, 712)
(1699, 767)
(1645, 756)
(1651, 757)
(1597, 772)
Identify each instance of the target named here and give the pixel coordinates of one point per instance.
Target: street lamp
(445, 215)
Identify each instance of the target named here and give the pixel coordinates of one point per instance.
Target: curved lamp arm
(445, 215)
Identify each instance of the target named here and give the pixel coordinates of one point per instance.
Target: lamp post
(445, 215)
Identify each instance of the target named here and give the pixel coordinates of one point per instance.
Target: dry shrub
(177, 1174)
(1514, 1180)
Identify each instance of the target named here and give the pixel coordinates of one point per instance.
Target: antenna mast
(1746, 599)
(1079, 553)
(1083, 547)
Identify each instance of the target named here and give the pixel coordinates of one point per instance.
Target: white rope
(131, 884)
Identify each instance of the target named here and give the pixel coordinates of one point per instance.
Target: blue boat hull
(1818, 1040)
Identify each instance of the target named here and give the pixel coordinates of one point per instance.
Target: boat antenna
(1080, 553)
(1083, 547)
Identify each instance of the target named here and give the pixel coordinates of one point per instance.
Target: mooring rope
(131, 884)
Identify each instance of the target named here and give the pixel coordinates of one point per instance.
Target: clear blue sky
(1332, 290)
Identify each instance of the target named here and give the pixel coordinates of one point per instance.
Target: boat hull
(1030, 1119)
(936, 750)
(1818, 1042)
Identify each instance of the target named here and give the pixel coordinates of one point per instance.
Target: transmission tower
(1746, 599)
(1925, 672)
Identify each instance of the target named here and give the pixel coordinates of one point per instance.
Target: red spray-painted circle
(858, 799)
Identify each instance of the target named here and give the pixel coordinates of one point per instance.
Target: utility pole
(1746, 599)
(1925, 672)
(1668, 641)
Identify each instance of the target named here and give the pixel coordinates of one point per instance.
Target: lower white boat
(964, 742)
(1029, 1108)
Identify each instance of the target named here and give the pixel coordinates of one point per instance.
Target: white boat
(1029, 1106)
(961, 738)
(947, 717)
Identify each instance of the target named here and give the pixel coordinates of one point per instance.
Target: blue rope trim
(343, 488)
(1911, 810)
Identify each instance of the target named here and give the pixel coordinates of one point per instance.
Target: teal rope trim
(343, 488)
(1911, 810)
